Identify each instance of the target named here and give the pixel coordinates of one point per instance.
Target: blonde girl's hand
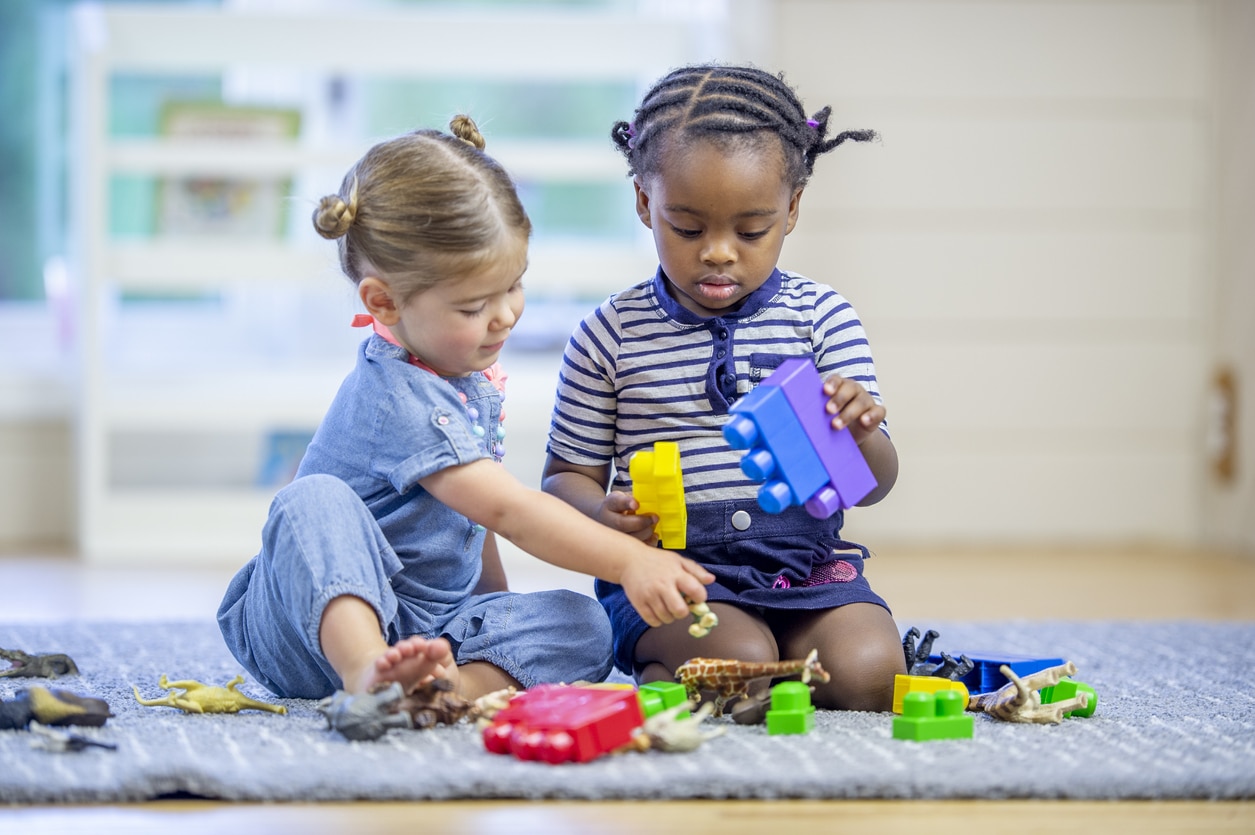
(852, 405)
(618, 511)
(660, 585)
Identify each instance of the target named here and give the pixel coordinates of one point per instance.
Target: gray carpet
(1176, 719)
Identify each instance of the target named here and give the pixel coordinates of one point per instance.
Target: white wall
(1229, 515)
(1050, 248)
(1030, 248)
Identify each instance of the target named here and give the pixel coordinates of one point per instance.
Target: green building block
(929, 716)
(1067, 689)
(791, 709)
(657, 696)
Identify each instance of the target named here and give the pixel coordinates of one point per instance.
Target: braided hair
(731, 105)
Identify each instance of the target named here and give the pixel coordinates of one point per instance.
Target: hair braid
(729, 104)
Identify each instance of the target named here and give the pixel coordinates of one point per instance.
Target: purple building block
(779, 452)
(850, 479)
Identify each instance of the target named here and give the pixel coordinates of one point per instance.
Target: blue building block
(985, 676)
(779, 453)
(849, 477)
(785, 426)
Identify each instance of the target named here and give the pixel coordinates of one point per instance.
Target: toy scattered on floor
(658, 487)
(1019, 701)
(203, 698)
(904, 685)
(1067, 689)
(919, 663)
(60, 742)
(728, 678)
(657, 696)
(930, 716)
(674, 730)
(557, 723)
(704, 620)
(24, 665)
(791, 446)
(986, 674)
(367, 716)
(52, 707)
(791, 709)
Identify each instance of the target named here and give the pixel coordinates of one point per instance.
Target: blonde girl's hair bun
(334, 216)
(464, 128)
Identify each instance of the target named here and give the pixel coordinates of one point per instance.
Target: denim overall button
(740, 520)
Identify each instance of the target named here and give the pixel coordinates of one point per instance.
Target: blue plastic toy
(791, 445)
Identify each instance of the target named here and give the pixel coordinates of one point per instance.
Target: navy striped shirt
(642, 368)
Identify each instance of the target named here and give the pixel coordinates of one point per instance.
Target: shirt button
(722, 353)
(740, 520)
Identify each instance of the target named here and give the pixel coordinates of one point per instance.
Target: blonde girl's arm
(658, 583)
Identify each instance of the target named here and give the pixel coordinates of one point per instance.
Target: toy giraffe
(729, 679)
(1019, 701)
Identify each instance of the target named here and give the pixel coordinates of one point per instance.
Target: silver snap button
(740, 520)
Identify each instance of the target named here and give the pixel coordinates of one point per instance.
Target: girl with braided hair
(379, 562)
(719, 157)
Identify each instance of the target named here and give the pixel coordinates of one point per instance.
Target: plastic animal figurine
(203, 698)
(366, 716)
(917, 658)
(666, 731)
(704, 620)
(25, 665)
(52, 707)
(59, 742)
(1019, 701)
(731, 679)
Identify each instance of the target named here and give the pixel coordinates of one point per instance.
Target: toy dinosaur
(1019, 701)
(365, 716)
(917, 658)
(25, 665)
(202, 698)
(729, 679)
(59, 742)
(52, 707)
(704, 620)
(666, 731)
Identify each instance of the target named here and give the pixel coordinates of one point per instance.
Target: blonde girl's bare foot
(411, 662)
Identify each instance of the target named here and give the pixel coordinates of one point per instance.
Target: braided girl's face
(719, 218)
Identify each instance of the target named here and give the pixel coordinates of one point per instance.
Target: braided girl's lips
(718, 287)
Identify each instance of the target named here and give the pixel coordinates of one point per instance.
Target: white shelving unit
(137, 524)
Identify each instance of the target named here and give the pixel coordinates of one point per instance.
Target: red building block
(558, 723)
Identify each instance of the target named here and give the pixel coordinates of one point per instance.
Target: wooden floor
(924, 587)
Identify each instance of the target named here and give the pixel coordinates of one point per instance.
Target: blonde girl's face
(461, 324)
(719, 218)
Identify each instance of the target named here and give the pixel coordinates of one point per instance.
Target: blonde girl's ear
(378, 300)
(642, 203)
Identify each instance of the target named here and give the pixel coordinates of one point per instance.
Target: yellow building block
(924, 684)
(658, 486)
